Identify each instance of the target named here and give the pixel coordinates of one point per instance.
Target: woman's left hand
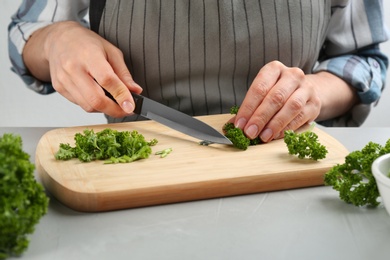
(279, 98)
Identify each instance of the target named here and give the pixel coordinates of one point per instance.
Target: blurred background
(20, 106)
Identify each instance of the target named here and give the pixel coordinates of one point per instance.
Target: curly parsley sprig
(354, 179)
(23, 200)
(305, 144)
(236, 135)
(110, 145)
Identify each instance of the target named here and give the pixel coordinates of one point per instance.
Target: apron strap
(96, 8)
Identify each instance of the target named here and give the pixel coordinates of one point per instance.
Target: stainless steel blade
(177, 120)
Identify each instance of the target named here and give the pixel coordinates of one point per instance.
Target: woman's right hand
(79, 63)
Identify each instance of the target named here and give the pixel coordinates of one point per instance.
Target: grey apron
(200, 57)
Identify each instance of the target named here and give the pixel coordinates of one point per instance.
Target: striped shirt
(200, 57)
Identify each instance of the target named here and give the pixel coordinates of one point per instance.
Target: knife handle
(138, 100)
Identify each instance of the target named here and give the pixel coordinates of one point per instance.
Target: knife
(176, 120)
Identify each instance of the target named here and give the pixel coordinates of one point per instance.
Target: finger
(63, 82)
(73, 94)
(64, 85)
(119, 67)
(83, 90)
(59, 87)
(298, 110)
(262, 84)
(308, 114)
(276, 99)
(107, 78)
(93, 95)
(231, 120)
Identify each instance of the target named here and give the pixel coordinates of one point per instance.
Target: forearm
(337, 97)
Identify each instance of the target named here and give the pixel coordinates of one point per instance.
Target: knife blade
(177, 120)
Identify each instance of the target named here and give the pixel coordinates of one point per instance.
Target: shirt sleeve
(31, 16)
(351, 52)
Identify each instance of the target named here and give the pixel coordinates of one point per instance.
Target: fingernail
(240, 123)
(266, 135)
(251, 131)
(128, 107)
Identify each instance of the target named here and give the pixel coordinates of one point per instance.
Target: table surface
(308, 223)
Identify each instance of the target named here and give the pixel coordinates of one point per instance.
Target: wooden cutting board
(190, 172)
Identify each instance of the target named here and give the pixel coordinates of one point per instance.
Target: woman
(285, 63)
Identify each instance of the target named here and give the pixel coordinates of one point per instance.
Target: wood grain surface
(190, 172)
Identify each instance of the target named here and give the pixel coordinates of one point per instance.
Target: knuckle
(106, 80)
(248, 106)
(115, 52)
(60, 88)
(257, 93)
(95, 103)
(296, 74)
(120, 92)
(261, 119)
(276, 64)
(67, 64)
(298, 121)
(88, 109)
(316, 101)
(260, 90)
(279, 98)
(278, 123)
(296, 104)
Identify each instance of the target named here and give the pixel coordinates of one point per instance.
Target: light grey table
(309, 223)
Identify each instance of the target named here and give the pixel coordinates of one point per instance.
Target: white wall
(20, 106)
